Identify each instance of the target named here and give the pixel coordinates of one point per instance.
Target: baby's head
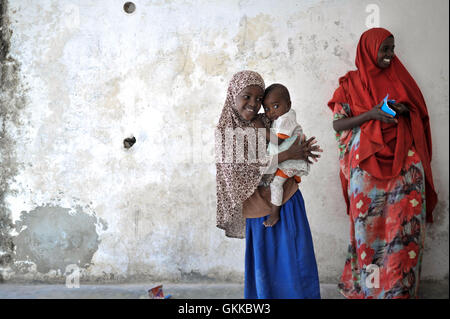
(277, 101)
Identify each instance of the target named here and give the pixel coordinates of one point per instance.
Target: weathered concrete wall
(10, 106)
(78, 77)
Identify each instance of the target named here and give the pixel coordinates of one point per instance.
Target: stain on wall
(9, 110)
(53, 238)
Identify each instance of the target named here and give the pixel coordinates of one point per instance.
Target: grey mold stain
(337, 51)
(243, 26)
(342, 54)
(9, 99)
(53, 238)
(136, 222)
(194, 276)
(291, 47)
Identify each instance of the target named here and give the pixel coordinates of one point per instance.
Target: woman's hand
(304, 149)
(377, 114)
(399, 108)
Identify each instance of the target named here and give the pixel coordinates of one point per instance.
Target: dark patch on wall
(129, 7)
(8, 164)
(4, 49)
(53, 238)
(129, 142)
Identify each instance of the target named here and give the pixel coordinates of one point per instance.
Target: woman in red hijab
(385, 171)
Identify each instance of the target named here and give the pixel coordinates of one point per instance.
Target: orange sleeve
(282, 136)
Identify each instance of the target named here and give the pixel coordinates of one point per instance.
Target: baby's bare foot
(274, 217)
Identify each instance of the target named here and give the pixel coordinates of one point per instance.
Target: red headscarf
(384, 147)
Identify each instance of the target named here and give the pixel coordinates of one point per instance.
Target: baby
(277, 106)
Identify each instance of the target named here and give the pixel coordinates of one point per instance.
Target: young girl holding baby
(279, 261)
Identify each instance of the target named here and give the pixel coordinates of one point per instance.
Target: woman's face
(248, 101)
(386, 53)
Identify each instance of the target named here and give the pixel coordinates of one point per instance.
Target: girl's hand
(310, 148)
(400, 108)
(303, 150)
(377, 114)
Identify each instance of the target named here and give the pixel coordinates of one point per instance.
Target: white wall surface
(92, 75)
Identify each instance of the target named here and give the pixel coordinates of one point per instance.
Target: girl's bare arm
(301, 150)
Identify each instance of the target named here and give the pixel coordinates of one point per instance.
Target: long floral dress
(387, 218)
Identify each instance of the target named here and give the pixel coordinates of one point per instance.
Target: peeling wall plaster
(80, 76)
(52, 238)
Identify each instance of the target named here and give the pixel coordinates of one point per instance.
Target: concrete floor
(429, 290)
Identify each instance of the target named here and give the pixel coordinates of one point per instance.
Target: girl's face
(248, 102)
(386, 53)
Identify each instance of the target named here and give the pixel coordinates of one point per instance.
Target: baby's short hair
(277, 86)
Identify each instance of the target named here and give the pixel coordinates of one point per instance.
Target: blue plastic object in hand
(385, 108)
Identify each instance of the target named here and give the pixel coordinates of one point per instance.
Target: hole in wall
(129, 7)
(129, 141)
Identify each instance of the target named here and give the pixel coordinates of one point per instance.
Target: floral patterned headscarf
(237, 180)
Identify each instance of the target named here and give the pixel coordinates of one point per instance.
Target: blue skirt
(279, 260)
